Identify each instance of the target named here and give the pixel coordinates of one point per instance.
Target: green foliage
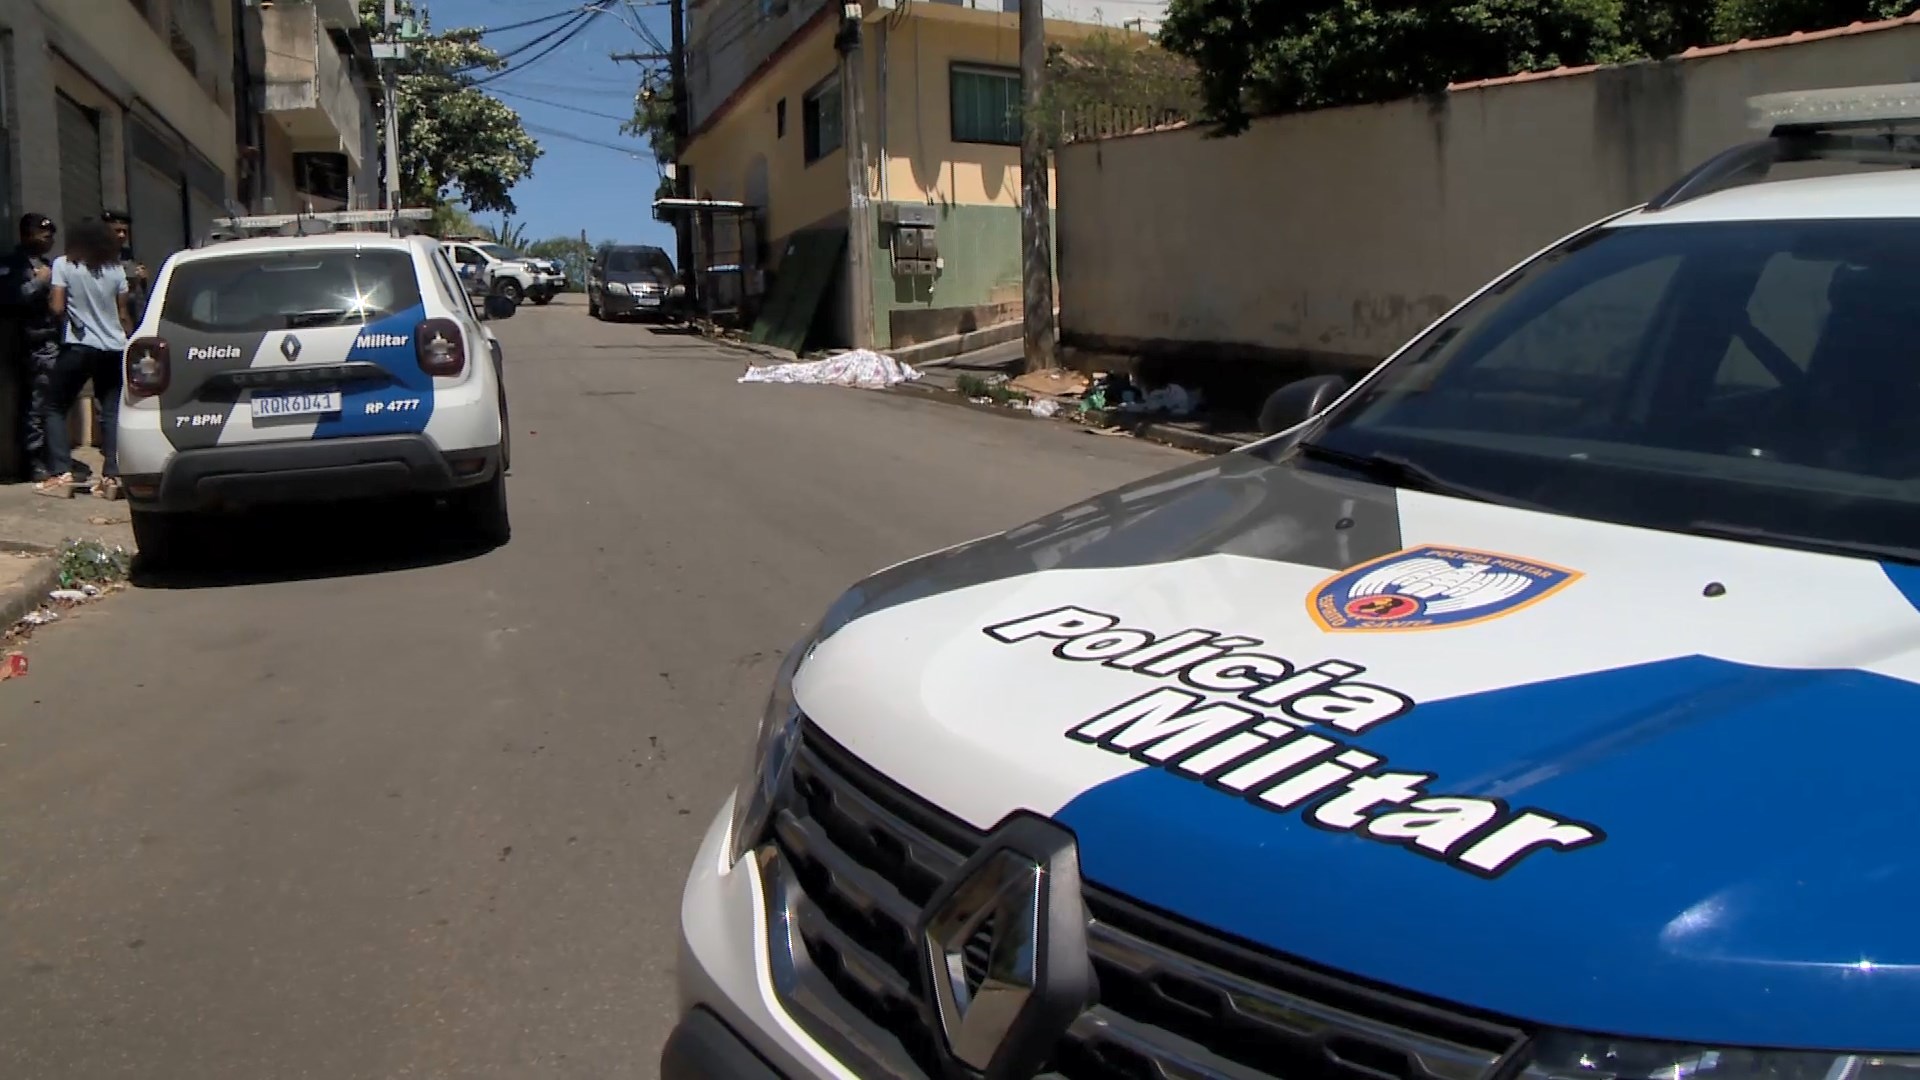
(1267, 56)
(507, 234)
(571, 252)
(455, 140)
(1113, 82)
(653, 121)
(452, 219)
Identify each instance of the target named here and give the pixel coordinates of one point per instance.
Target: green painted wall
(981, 249)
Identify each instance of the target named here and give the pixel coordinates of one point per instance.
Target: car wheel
(509, 289)
(483, 509)
(543, 298)
(161, 539)
(593, 307)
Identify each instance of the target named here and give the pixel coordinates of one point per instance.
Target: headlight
(1566, 1056)
(779, 730)
(772, 754)
(616, 287)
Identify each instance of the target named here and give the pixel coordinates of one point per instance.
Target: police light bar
(1839, 107)
(335, 217)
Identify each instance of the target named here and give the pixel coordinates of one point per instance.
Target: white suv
(311, 368)
(507, 272)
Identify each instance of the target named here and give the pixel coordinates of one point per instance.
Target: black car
(632, 280)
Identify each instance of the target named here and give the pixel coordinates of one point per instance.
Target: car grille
(850, 859)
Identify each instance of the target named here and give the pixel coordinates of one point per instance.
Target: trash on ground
(13, 666)
(84, 561)
(40, 617)
(73, 596)
(1045, 408)
(1052, 382)
(1173, 399)
(860, 368)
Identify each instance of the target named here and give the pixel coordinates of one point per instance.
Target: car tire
(509, 289)
(161, 540)
(483, 509)
(543, 297)
(593, 309)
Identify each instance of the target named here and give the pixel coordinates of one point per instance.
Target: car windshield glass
(283, 289)
(632, 260)
(1754, 380)
(499, 252)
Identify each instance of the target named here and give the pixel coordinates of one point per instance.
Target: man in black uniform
(139, 286)
(25, 277)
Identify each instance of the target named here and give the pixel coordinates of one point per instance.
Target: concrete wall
(727, 40)
(1333, 236)
(105, 55)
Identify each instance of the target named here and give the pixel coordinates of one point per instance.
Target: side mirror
(499, 307)
(1300, 401)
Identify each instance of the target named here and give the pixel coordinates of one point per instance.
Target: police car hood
(1567, 772)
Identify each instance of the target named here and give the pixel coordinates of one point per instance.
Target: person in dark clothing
(139, 283)
(26, 276)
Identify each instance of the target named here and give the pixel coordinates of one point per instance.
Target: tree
(653, 121)
(571, 252)
(1267, 56)
(455, 140)
(1114, 82)
(507, 234)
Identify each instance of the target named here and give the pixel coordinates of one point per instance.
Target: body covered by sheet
(861, 368)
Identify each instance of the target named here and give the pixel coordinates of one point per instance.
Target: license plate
(647, 301)
(276, 405)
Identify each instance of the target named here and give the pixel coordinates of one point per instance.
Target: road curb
(1179, 438)
(17, 600)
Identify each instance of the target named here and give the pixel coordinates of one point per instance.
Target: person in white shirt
(89, 297)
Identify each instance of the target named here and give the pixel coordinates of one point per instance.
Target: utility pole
(677, 86)
(1036, 224)
(853, 112)
(389, 52)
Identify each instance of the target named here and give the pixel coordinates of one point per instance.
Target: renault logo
(1004, 945)
(290, 347)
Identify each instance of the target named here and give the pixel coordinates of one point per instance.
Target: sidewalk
(36, 525)
(1211, 432)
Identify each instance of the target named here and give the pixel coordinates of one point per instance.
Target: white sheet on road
(861, 368)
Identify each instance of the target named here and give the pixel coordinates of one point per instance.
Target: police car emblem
(290, 348)
(1427, 588)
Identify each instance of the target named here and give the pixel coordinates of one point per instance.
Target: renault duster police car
(311, 368)
(1541, 706)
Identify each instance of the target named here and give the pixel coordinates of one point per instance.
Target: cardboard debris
(1054, 382)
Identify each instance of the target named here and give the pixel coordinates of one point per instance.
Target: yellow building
(942, 133)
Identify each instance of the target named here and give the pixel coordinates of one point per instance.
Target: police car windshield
(279, 290)
(1758, 380)
(499, 252)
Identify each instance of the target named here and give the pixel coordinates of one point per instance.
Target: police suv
(1540, 706)
(312, 367)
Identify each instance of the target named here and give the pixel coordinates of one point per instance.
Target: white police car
(312, 368)
(1541, 706)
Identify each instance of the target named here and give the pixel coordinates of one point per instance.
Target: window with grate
(985, 104)
(820, 117)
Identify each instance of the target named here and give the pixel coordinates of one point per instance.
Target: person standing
(26, 280)
(90, 297)
(139, 283)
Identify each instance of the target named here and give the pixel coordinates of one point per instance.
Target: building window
(780, 119)
(985, 104)
(820, 116)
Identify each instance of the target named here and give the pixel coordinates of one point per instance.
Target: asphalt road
(366, 804)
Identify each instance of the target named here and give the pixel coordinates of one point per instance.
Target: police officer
(25, 278)
(138, 284)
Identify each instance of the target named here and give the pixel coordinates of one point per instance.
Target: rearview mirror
(1300, 401)
(499, 307)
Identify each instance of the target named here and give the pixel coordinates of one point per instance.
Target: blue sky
(574, 93)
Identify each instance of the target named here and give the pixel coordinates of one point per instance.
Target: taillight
(148, 367)
(441, 347)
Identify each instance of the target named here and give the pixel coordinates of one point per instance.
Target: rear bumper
(245, 475)
(702, 1045)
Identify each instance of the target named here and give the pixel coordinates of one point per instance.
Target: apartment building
(314, 141)
(942, 143)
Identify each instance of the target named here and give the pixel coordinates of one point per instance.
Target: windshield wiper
(1754, 534)
(1396, 471)
(322, 317)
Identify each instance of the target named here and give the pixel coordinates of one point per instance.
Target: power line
(569, 13)
(586, 20)
(636, 151)
(561, 105)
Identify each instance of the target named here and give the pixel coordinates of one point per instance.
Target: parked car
(1534, 708)
(507, 272)
(633, 281)
(251, 381)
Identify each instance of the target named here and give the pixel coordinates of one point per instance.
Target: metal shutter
(159, 214)
(80, 168)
